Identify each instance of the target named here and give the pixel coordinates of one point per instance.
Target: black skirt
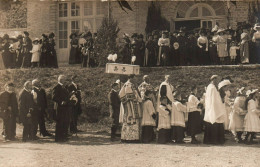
(164, 136)
(178, 133)
(147, 134)
(194, 123)
(214, 133)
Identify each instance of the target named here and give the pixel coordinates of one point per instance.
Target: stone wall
(41, 17)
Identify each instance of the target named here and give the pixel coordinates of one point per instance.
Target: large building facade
(66, 16)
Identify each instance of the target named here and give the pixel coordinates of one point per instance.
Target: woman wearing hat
(19, 60)
(44, 51)
(203, 43)
(252, 121)
(6, 54)
(238, 114)
(35, 53)
(222, 46)
(27, 47)
(125, 50)
(164, 46)
(244, 45)
(256, 39)
(74, 48)
(52, 61)
(213, 54)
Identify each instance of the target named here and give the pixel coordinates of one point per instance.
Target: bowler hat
(44, 35)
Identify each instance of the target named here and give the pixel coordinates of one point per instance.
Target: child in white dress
(233, 52)
(252, 121)
(238, 114)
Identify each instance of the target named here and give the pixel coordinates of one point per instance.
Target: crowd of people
(197, 47)
(22, 52)
(144, 111)
(30, 109)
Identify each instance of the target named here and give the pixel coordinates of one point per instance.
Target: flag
(124, 4)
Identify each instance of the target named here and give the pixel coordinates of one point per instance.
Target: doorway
(189, 24)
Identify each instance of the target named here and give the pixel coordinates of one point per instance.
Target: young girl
(35, 53)
(149, 116)
(194, 118)
(233, 52)
(228, 105)
(238, 114)
(252, 121)
(178, 119)
(164, 125)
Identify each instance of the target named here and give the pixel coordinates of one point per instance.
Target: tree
(106, 40)
(155, 21)
(254, 12)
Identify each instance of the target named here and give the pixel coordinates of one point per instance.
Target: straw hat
(221, 30)
(223, 83)
(249, 92)
(213, 77)
(257, 26)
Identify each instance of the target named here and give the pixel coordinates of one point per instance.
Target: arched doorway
(195, 15)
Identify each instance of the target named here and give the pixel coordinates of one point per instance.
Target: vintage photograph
(130, 83)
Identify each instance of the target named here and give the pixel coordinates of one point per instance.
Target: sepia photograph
(130, 83)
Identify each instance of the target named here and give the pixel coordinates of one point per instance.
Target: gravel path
(93, 148)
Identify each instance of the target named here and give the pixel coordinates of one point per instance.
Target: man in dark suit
(74, 89)
(27, 112)
(8, 110)
(39, 97)
(114, 108)
(62, 106)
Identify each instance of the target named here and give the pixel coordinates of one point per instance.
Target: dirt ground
(93, 148)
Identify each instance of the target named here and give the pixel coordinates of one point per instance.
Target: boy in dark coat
(27, 112)
(114, 108)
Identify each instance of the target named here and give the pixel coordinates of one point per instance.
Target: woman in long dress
(74, 49)
(1, 59)
(221, 46)
(130, 112)
(244, 46)
(203, 48)
(256, 39)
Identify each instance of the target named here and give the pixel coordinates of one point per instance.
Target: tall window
(75, 9)
(100, 7)
(75, 26)
(88, 8)
(63, 9)
(63, 34)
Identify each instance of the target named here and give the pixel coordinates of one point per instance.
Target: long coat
(114, 104)
(26, 103)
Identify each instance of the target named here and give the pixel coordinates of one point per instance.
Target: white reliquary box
(125, 69)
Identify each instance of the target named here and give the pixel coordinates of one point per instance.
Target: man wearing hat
(9, 111)
(150, 52)
(27, 47)
(114, 108)
(182, 50)
(141, 51)
(214, 114)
